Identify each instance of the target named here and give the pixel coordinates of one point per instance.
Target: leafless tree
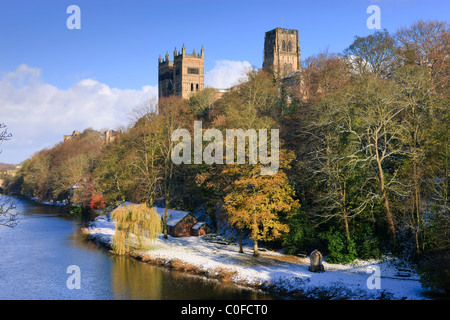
(376, 129)
(8, 215)
(374, 54)
(426, 43)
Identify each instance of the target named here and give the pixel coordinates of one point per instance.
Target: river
(36, 258)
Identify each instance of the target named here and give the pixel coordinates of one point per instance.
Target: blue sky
(116, 50)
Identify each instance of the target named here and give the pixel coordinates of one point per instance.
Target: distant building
(74, 134)
(108, 136)
(183, 223)
(183, 76)
(77, 190)
(281, 52)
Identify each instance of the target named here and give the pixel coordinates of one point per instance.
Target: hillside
(6, 166)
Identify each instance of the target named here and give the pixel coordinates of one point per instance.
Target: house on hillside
(77, 189)
(81, 193)
(183, 223)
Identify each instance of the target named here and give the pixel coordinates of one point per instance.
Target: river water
(36, 255)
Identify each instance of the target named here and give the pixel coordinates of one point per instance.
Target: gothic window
(283, 46)
(196, 87)
(289, 46)
(192, 87)
(193, 71)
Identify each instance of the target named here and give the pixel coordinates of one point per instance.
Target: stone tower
(182, 76)
(281, 52)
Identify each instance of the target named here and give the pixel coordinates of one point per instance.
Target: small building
(74, 134)
(183, 223)
(111, 136)
(200, 228)
(77, 189)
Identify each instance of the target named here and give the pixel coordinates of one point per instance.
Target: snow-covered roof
(76, 185)
(173, 216)
(198, 225)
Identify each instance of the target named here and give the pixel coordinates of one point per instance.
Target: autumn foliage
(97, 201)
(364, 154)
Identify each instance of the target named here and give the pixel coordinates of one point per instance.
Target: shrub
(301, 237)
(369, 249)
(434, 271)
(340, 249)
(75, 210)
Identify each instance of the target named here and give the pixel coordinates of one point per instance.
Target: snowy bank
(272, 271)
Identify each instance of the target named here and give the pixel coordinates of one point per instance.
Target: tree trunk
(347, 232)
(344, 210)
(241, 250)
(255, 248)
(417, 205)
(390, 219)
(384, 195)
(165, 220)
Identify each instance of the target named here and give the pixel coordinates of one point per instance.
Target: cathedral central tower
(281, 52)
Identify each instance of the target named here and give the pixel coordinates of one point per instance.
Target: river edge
(219, 274)
(286, 280)
(272, 273)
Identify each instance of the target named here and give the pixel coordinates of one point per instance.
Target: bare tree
(331, 157)
(332, 166)
(146, 158)
(416, 88)
(323, 73)
(174, 115)
(8, 215)
(144, 111)
(4, 135)
(366, 120)
(377, 109)
(427, 43)
(374, 54)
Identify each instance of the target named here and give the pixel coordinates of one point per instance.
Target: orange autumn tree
(97, 201)
(261, 203)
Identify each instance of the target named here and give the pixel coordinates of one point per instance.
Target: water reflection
(34, 257)
(136, 280)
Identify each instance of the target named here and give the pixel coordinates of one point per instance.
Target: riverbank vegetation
(135, 225)
(364, 155)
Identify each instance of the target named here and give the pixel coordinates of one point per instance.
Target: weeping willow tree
(137, 226)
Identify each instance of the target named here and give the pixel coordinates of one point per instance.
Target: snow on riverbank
(274, 271)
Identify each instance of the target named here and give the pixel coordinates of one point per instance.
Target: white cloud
(226, 74)
(39, 114)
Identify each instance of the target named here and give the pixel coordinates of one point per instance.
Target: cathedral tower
(281, 52)
(182, 77)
